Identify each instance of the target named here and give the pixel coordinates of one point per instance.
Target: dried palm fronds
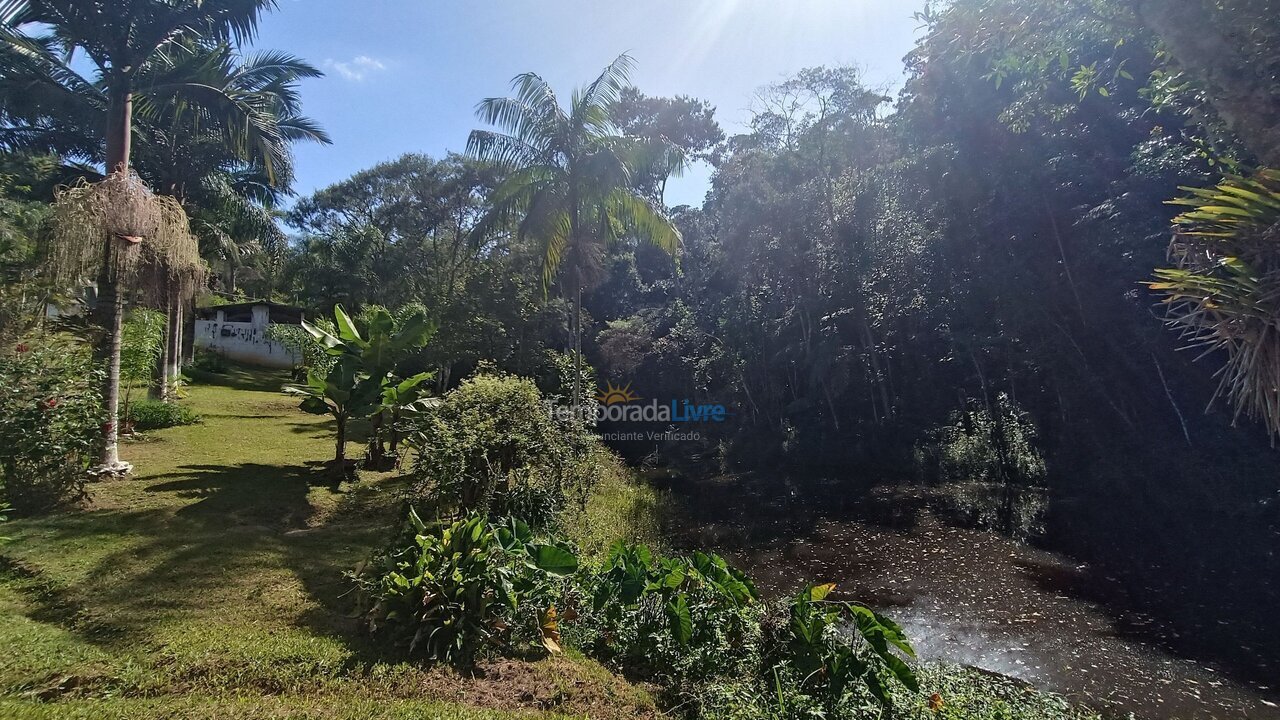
(141, 237)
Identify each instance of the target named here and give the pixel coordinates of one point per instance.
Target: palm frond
(644, 221)
(1224, 294)
(596, 100)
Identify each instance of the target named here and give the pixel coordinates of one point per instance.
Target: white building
(239, 332)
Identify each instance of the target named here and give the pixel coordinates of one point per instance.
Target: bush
(155, 415)
(141, 347)
(51, 418)
(491, 446)
(988, 467)
(209, 361)
(829, 655)
(677, 620)
(452, 593)
(695, 625)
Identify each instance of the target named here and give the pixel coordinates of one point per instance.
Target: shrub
(679, 620)
(51, 419)
(988, 467)
(141, 347)
(491, 446)
(827, 652)
(209, 361)
(155, 415)
(452, 593)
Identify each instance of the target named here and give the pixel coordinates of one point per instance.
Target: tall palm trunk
(110, 300)
(110, 312)
(577, 340)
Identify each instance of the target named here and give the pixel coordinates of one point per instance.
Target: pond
(979, 599)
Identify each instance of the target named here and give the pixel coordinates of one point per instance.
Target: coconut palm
(123, 42)
(570, 180)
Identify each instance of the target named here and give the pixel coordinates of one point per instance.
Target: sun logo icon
(613, 394)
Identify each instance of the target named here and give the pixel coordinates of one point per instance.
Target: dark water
(980, 599)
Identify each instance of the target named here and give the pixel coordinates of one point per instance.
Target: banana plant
(378, 355)
(345, 392)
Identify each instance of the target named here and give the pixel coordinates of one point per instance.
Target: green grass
(210, 584)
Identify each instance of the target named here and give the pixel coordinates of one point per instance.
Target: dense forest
(1009, 284)
(866, 271)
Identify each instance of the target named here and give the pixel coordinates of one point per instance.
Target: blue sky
(405, 75)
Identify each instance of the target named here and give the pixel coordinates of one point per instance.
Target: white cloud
(356, 69)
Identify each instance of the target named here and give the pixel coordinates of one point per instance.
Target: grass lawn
(210, 584)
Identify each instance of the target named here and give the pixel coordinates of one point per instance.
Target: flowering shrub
(51, 418)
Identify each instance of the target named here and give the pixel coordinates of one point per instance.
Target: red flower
(51, 403)
(23, 347)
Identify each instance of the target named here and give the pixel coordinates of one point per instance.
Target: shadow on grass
(229, 534)
(274, 496)
(242, 377)
(158, 565)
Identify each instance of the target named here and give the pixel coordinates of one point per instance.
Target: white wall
(244, 342)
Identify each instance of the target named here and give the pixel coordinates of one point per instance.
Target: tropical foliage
(1221, 295)
(50, 418)
(493, 446)
(455, 592)
(360, 383)
(570, 178)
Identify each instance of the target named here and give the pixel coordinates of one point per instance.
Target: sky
(405, 75)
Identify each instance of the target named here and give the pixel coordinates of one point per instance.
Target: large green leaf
(346, 327)
(554, 560)
(681, 619)
(315, 406)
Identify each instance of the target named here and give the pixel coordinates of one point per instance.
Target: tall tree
(571, 182)
(122, 42)
(1230, 47)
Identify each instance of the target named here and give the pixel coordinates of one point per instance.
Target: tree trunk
(187, 335)
(1238, 88)
(577, 341)
(111, 319)
(110, 301)
(340, 455)
(159, 388)
(376, 452)
(173, 343)
(394, 441)
(119, 125)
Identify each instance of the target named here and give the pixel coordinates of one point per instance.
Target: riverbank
(969, 597)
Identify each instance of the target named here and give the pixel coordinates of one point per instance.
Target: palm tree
(123, 42)
(570, 179)
(229, 183)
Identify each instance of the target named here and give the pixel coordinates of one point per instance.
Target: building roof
(279, 312)
(250, 304)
